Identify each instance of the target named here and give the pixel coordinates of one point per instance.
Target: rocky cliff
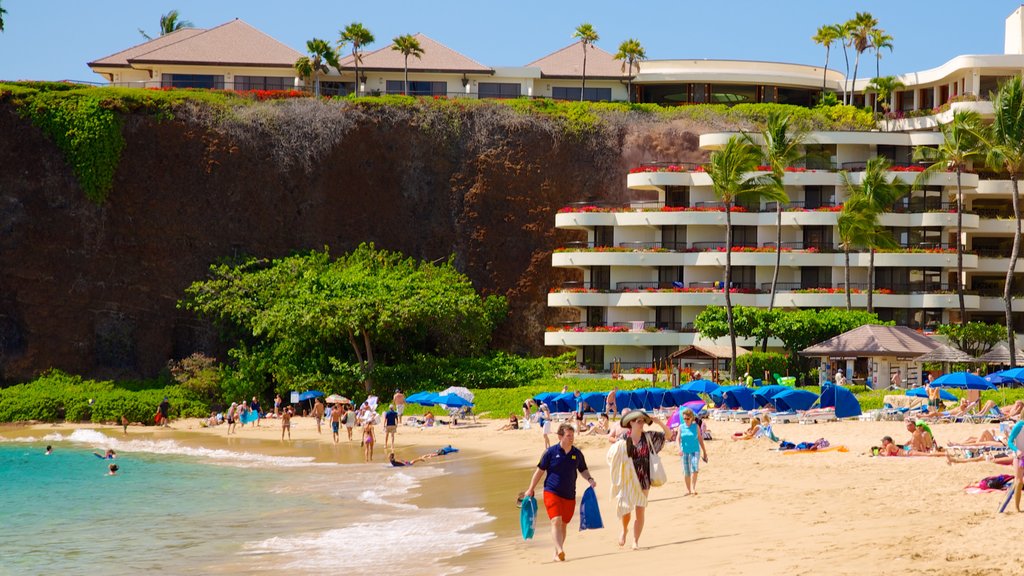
(92, 288)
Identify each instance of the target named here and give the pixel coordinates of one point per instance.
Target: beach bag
(995, 482)
(590, 514)
(658, 475)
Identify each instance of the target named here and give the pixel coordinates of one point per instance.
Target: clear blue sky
(53, 39)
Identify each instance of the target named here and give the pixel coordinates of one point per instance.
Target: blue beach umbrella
(963, 380)
(922, 393)
(737, 397)
(1015, 374)
(452, 401)
(997, 379)
(595, 400)
(422, 398)
(700, 386)
(310, 394)
(681, 396)
(764, 394)
(546, 397)
(656, 398)
(793, 399)
(840, 398)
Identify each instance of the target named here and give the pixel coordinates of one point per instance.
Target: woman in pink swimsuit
(368, 439)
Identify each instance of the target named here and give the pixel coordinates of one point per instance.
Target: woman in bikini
(368, 440)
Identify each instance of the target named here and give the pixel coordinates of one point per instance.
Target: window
(336, 88)
(192, 81)
(667, 317)
(591, 94)
(595, 316)
(603, 236)
(661, 353)
(673, 237)
(677, 196)
(744, 236)
(499, 90)
(600, 277)
(267, 83)
(731, 94)
(815, 277)
(418, 88)
(819, 237)
(667, 275)
(593, 357)
(744, 276)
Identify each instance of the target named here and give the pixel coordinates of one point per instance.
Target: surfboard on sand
(527, 516)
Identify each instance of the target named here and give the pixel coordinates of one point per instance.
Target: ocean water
(189, 510)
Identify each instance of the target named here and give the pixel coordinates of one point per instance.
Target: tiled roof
(874, 340)
(235, 43)
(568, 63)
(436, 58)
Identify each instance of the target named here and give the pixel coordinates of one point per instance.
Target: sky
(53, 39)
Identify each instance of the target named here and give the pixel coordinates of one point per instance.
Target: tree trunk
(959, 247)
(871, 280)
(368, 379)
(355, 61)
(853, 81)
(728, 285)
(1008, 289)
(846, 277)
(583, 88)
(824, 73)
(355, 347)
(778, 264)
(405, 82)
(874, 105)
(846, 56)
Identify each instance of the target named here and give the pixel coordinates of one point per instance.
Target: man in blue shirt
(561, 462)
(390, 426)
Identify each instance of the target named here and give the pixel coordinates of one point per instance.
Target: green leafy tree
(855, 223)
(974, 338)
(356, 35)
(1005, 152)
(782, 148)
(632, 54)
(320, 57)
(731, 179)
(408, 45)
(826, 36)
(587, 36)
(879, 40)
(875, 194)
(861, 28)
(885, 87)
(304, 318)
(961, 147)
(168, 23)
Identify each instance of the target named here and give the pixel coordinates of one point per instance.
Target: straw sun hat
(635, 415)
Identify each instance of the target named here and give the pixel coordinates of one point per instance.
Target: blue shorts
(334, 427)
(691, 462)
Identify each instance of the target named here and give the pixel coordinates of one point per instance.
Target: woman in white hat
(630, 465)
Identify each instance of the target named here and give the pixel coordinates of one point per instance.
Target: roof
(568, 63)
(707, 351)
(874, 340)
(234, 43)
(436, 58)
(1000, 354)
(946, 353)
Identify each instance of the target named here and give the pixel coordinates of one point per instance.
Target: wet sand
(758, 511)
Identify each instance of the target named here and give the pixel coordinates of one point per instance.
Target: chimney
(1013, 42)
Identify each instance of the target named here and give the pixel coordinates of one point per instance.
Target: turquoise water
(187, 510)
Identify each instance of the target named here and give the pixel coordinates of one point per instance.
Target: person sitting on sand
(889, 448)
(396, 462)
(752, 431)
(513, 423)
(428, 419)
(921, 439)
(109, 455)
(601, 428)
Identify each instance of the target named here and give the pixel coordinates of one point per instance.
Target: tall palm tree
(855, 226)
(320, 56)
(1005, 150)
(884, 87)
(879, 40)
(587, 36)
(827, 34)
(731, 179)
(961, 147)
(782, 148)
(875, 195)
(845, 36)
(631, 53)
(358, 36)
(2, 12)
(408, 45)
(169, 23)
(863, 25)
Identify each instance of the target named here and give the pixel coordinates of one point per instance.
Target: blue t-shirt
(689, 440)
(1012, 441)
(391, 418)
(562, 469)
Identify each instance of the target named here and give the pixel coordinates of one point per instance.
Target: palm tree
(2, 12)
(827, 34)
(879, 40)
(885, 87)
(357, 35)
(320, 56)
(730, 170)
(587, 36)
(845, 34)
(855, 224)
(408, 45)
(863, 25)
(875, 194)
(961, 147)
(169, 23)
(1005, 150)
(631, 53)
(782, 149)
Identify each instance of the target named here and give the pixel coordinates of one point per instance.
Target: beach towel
(590, 514)
(447, 450)
(625, 485)
(527, 517)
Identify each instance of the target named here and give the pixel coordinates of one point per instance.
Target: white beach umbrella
(459, 391)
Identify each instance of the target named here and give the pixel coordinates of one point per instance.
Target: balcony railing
(632, 326)
(893, 166)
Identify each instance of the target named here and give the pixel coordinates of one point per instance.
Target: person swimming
(109, 455)
(49, 450)
(113, 470)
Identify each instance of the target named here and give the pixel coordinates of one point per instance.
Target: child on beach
(368, 440)
(336, 415)
(691, 446)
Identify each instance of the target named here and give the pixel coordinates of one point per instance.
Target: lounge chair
(818, 415)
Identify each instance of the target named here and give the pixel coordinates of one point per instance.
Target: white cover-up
(625, 485)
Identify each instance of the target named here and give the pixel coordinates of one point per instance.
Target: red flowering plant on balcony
(918, 251)
(610, 249)
(818, 209)
(911, 168)
(576, 290)
(839, 291)
(667, 168)
(587, 329)
(589, 208)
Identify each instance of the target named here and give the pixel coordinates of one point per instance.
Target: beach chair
(785, 417)
(993, 415)
(818, 415)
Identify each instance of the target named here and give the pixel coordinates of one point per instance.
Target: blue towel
(447, 450)
(590, 514)
(527, 517)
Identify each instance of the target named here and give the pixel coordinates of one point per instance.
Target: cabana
(946, 355)
(1000, 355)
(887, 348)
(838, 397)
(706, 357)
(792, 399)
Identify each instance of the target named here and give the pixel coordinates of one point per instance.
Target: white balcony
(566, 338)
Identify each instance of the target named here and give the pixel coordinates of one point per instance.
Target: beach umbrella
(963, 380)
(459, 391)
(595, 400)
(335, 399)
(681, 396)
(997, 379)
(452, 400)
(1016, 374)
(676, 417)
(737, 397)
(700, 386)
(656, 398)
(764, 394)
(546, 398)
(310, 395)
(922, 393)
(840, 398)
(563, 402)
(793, 399)
(416, 398)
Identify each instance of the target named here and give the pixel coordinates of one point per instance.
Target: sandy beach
(758, 511)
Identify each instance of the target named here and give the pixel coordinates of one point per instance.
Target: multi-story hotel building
(650, 266)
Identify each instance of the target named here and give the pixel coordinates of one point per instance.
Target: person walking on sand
(544, 421)
(277, 407)
(255, 407)
(560, 463)
(286, 423)
(124, 424)
(629, 461)
(1015, 442)
(231, 415)
(349, 416)
(369, 437)
(391, 418)
(527, 404)
(164, 409)
(336, 415)
(318, 415)
(399, 402)
(691, 446)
